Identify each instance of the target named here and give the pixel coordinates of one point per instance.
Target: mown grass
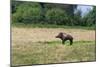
(48, 52)
(22, 25)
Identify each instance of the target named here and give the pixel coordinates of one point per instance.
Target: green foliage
(77, 18)
(90, 18)
(27, 13)
(58, 14)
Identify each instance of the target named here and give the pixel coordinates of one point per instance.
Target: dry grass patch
(48, 34)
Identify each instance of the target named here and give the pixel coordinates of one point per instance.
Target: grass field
(22, 25)
(39, 46)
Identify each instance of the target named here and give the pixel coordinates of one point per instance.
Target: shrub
(56, 16)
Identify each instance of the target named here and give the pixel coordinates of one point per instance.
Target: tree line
(47, 13)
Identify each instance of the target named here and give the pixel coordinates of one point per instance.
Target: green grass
(22, 25)
(52, 52)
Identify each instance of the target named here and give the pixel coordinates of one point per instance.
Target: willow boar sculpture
(64, 37)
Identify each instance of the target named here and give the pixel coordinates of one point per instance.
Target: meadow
(34, 45)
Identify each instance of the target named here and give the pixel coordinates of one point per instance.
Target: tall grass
(52, 52)
(21, 25)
